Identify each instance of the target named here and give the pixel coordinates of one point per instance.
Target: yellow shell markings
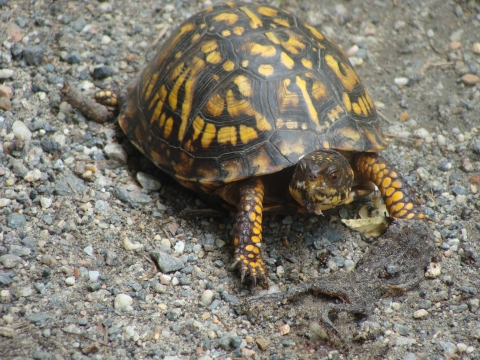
(197, 65)
(286, 98)
(226, 33)
(247, 134)
(197, 125)
(244, 85)
(209, 134)
(148, 86)
(288, 147)
(287, 61)
(307, 63)
(228, 65)
(227, 134)
(237, 107)
(314, 31)
(262, 50)
(333, 114)
(282, 22)
(215, 105)
(346, 101)
(209, 46)
(214, 57)
(302, 84)
(168, 127)
(346, 74)
(267, 11)
(161, 96)
(319, 90)
(174, 42)
(292, 45)
(238, 30)
(229, 18)
(244, 63)
(255, 22)
(265, 69)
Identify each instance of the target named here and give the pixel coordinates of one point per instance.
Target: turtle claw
(255, 270)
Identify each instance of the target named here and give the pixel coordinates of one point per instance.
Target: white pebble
(21, 131)
(349, 265)
(420, 314)
(430, 33)
(179, 247)
(421, 133)
(441, 140)
(207, 297)
(6, 73)
(128, 245)
(70, 280)
(93, 275)
(460, 138)
(106, 40)
(116, 152)
(352, 51)
(422, 174)
(433, 270)
(400, 81)
(33, 175)
(165, 279)
(461, 347)
(45, 202)
(122, 301)
(89, 250)
(4, 202)
(175, 281)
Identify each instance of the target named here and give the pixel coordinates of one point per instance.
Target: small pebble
(6, 73)
(21, 131)
(70, 280)
(6, 91)
(476, 48)
(441, 140)
(434, 270)
(420, 314)
(147, 181)
(93, 275)
(284, 329)
(10, 261)
(401, 81)
(470, 79)
(45, 202)
(207, 297)
(122, 301)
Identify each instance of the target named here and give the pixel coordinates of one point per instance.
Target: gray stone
(38, 318)
(16, 221)
(165, 262)
(148, 181)
(69, 185)
(33, 55)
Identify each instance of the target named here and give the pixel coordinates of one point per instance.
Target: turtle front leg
(248, 230)
(398, 195)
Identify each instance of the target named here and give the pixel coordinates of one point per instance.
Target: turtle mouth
(321, 201)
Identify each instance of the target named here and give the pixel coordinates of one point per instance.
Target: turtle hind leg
(399, 197)
(248, 230)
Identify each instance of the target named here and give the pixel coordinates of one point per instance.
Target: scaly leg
(398, 195)
(248, 230)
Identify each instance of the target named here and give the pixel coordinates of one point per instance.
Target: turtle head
(322, 180)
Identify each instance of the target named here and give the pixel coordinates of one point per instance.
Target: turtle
(250, 104)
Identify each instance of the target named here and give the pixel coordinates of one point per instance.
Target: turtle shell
(242, 90)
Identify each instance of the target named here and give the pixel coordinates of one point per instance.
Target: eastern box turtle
(251, 104)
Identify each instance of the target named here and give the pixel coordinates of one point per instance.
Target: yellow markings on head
(267, 11)
(215, 105)
(195, 38)
(244, 85)
(168, 128)
(356, 109)
(307, 63)
(244, 63)
(214, 57)
(287, 61)
(347, 102)
(302, 84)
(362, 106)
(208, 135)
(319, 90)
(282, 22)
(314, 31)
(228, 65)
(229, 18)
(176, 71)
(209, 46)
(252, 216)
(247, 134)
(197, 65)
(197, 125)
(178, 54)
(286, 98)
(265, 70)
(227, 134)
(262, 50)
(238, 30)
(226, 33)
(346, 74)
(255, 22)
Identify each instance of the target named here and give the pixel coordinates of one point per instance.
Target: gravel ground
(79, 214)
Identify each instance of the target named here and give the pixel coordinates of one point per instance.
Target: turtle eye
(334, 177)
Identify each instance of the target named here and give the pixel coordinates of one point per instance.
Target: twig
(161, 34)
